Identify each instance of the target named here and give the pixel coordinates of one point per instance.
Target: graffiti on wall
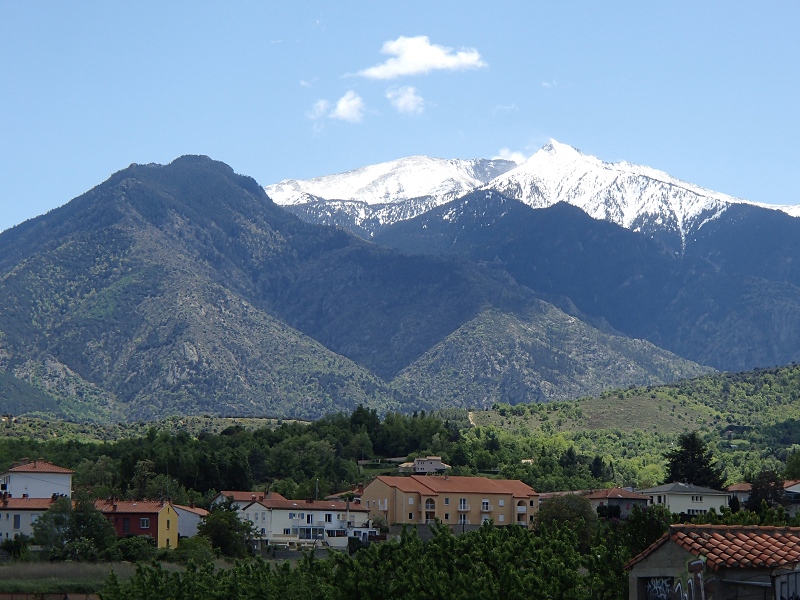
(686, 587)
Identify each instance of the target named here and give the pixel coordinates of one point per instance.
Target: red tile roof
(306, 505)
(130, 506)
(434, 485)
(733, 546)
(239, 496)
(192, 509)
(26, 503)
(39, 466)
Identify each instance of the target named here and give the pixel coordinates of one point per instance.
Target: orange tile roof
(306, 505)
(26, 503)
(434, 485)
(240, 496)
(740, 487)
(192, 509)
(39, 466)
(615, 492)
(733, 546)
(130, 506)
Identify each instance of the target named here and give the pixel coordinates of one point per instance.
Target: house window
(501, 502)
(247, 516)
(446, 516)
(462, 504)
(462, 519)
(263, 516)
(410, 516)
(501, 518)
(256, 516)
(532, 503)
(16, 521)
(301, 516)
(287, 531)
(328, 518)
(310, 518)
(447, 501)
(659, 500)
(292, 516)
(484, 505)
(410, 501)
(144, 523)
(167, 542)
(167, 524)
(126, 525)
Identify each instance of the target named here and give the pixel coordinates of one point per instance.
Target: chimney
(309, 500)
(191, 504)
(360, 488)
(269, 494)
(161, 502)
(253, 497)
(24, 495)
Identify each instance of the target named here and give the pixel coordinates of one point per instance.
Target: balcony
(522, 509)
(463, 508)
(487, 508)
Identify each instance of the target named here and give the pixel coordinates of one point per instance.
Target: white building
(686, 498)
(36, 479)
(424, 465)
(304, 523)
(189, 518)
(17, 515)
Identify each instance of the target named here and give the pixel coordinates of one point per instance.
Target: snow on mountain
(392, 182)
(633, 196)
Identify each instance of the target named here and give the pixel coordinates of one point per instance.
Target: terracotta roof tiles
(40, 466)
(306, 505)
(733, 546)
(26, 503)
(130, 506)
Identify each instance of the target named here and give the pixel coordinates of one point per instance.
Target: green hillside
(183, 290)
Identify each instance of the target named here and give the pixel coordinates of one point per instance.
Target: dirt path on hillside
(471, 420)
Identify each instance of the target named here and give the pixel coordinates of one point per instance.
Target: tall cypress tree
(693, 462)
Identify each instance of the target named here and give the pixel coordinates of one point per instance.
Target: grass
(628, 414)
(65, 577)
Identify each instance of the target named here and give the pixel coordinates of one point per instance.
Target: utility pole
(316, 493)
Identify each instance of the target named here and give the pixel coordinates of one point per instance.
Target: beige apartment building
(451, 500)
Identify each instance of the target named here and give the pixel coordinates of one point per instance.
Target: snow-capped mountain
(366, 199)
(634, 196)
(394, 181)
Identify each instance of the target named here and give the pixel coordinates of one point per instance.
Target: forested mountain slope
(713, 304)
(183, 289)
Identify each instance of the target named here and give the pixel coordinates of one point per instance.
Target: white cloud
(517, 157)
(318, 110)
(549, 84)
(350, 107)
(416, 56)
(502, 108)
(405, 99)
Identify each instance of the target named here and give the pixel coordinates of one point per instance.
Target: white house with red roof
(17, 515)
(36, 479)
(293, 524)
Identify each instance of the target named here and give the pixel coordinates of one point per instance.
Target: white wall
(187, 522)
(26, 520)
(38, 485)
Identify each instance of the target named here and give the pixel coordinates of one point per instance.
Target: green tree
(225, 530)
(77, 533)
(643, 527)
(571, 509)
(767, 487)
(693, 462)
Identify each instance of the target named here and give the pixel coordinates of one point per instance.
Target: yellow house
(451, 500)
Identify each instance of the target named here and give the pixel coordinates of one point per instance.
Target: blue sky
(707, 93)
